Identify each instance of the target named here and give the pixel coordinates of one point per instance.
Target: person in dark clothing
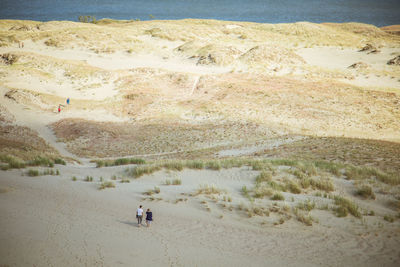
(149, 217)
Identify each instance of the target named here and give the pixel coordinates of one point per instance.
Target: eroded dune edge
(253, 144)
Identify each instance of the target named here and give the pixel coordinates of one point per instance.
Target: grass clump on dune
(139, 171)
(208, 190)
(106, 184)
(365, 191)
(346, 206)
(358, 173)
(118, 162)
(277, 196)
(306, 219)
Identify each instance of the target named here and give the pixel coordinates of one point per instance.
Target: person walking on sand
(139, 215)
(68, 101)
(59, 108)
(149, 217)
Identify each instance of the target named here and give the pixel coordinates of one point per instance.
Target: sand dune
(210, 105)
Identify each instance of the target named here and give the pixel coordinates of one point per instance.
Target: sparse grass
(306, 219)
(293, 187)
(358, 173)
(88, 179)
(176, 181)
(245, 192)
(277, 196)
(125, 181)
(346, 206)
(264, 176)
(365, 191)
(118, 162)
(142, 170)
(284, 162)
(59, 161)
(15, 163)
(256, 210)
(32, 172)
(306, 205)
(331, 167)
(106, 184)
(388, 218)
(261, 191)
(213, 165)
(209, 190)
(195, 164)
(324, 184)
(173, 165)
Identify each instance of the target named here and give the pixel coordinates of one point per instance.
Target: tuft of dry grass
(277, 196)
(208, 190)
(346, 206)
(106, 184)
(365, 191)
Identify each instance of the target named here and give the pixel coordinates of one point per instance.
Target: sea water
(379, 13)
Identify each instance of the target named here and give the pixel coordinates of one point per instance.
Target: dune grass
(346, 206)
(106, 184)
(365, 191)
(118, 162)
(11, 162)
(32, 172)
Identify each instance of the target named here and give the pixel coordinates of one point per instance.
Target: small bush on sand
(346, 206)
(107, 184)
(74, 178)
(278, 196)
(365, 191)
(157, 190)
(125, 181)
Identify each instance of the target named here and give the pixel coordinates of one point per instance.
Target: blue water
(379, 13)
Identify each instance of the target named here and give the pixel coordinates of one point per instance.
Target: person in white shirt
(139, 215)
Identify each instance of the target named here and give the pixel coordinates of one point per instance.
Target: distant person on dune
(149, 217)
(68, 101)
(59, 108)
(139, 215)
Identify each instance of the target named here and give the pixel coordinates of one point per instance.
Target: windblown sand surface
(322, 97)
